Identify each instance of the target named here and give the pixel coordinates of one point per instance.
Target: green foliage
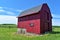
(8, 25)
(7, 33)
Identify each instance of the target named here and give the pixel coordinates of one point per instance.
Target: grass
(10, 34)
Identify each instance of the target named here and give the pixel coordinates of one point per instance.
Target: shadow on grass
(54, 32)
(56, 26)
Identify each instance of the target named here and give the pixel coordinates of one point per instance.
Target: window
(31, 24)
(20, 19)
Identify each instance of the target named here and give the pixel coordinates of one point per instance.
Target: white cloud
(56, 22)
(19, 10)
(7, 12)
(56, 16)
(10, 13)
(11, 9)
(8, 19)
(1, 7)
(2, 10)
(4, 18)
(56, 19)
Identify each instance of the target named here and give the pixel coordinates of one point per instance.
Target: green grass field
(9, 33)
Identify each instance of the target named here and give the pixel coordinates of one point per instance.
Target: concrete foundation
(21, 31)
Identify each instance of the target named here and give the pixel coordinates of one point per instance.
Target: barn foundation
(21, 31)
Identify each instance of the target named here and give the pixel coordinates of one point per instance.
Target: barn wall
(39, 20)
(24, 22)
(45, 19)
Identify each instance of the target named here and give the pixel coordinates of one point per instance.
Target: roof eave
(27, 14)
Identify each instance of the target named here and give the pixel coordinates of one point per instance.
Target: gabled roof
(31, 10)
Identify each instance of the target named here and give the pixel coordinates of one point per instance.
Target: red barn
(36, 20)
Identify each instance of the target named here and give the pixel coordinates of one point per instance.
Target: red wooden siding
(45, 20)
(41, 20)
(25, 23)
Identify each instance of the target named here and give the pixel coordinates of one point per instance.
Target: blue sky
(10, 9)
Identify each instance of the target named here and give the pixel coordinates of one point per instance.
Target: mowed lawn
(11, 34)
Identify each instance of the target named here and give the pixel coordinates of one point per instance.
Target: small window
(21, 19)
(31, 24)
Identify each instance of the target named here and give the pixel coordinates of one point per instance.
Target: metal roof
(31, 10)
